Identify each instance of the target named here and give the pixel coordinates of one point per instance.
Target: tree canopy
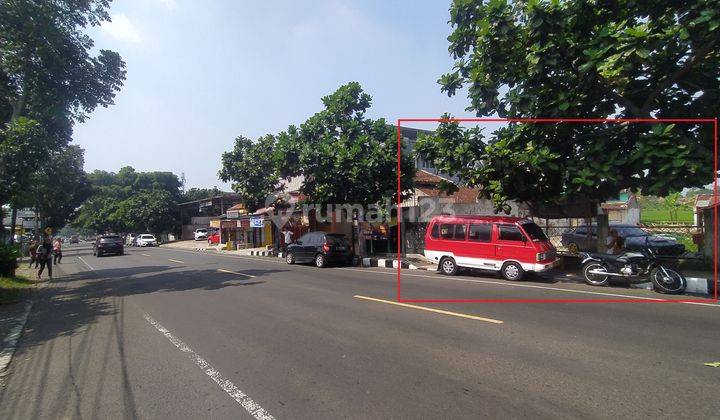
(574, 59)
(252, 169)
(131, 201)
(344, 156)
(50, 77)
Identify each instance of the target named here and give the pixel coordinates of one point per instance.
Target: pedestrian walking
(57, 251)
(44, 255)
(32, 251)
(287, 236)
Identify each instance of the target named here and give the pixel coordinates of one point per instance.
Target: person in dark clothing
(45, 256)
(33, 253)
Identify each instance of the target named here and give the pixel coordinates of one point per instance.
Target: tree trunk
(13, 219)
(602, 232)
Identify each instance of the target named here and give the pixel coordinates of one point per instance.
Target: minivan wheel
(448, 266)
(290, 258)
(512, 271)
(320, 261)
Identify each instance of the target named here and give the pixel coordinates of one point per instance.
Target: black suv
(321, 248)
(108, 244)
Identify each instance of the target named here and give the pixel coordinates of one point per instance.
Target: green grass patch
(654, 215)
(11, 289)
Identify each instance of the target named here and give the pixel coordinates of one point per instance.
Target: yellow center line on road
(234, 272)
(176, 261)
(437, 311)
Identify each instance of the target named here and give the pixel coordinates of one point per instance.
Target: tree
(194, 194)
(151, 210)
(577, 59)
(130, 200)
(251, 168)
(48, 80)
(345, 158)
(59, 187)
(47, 71)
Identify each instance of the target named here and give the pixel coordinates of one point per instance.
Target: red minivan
(511, 245)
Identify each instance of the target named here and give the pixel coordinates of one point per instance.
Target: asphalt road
(168, 333)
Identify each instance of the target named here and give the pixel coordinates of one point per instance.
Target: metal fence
(682, 233)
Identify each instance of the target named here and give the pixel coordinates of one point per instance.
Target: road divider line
(176, 261)
(527, 286)
(424, 308)
(146, 255)
(240, 397)
(84, 262)
(234, 272)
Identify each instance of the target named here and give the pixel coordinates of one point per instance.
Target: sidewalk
(13, 318)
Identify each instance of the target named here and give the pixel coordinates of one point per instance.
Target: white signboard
(233, 214)
(257, 222)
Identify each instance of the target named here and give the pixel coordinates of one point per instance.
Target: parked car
(201, 234)
(74, 239)
(108, 244)
(321, 248)
(130, 239)
(146, 239)
(636, 239)
(214, 238)
(510, 245)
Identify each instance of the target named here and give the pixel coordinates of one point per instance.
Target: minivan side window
(435, 232)
(510, 233)
(480, 233)
(447, 231)
(306, 238)
(460, 232)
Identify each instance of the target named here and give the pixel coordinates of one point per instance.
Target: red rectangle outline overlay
(713, 121)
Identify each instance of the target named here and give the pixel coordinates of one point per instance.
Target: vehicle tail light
(326, 247)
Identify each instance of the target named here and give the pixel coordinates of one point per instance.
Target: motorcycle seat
(609, 257)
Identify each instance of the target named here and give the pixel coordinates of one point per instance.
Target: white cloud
(170, 4)
(122, 28)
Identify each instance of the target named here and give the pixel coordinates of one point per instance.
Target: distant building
(196, 214)
(623, 209)
(701, 201)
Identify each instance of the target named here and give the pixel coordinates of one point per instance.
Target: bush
(8, 259)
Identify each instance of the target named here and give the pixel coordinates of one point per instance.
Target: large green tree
(131, 201)
(344, 156)
(252, 169)
(50, 77)
(59, 187)
(632, 59)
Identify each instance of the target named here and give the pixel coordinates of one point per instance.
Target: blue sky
(200, 73)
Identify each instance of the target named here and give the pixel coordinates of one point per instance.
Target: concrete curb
(11, 340)
(389, 263)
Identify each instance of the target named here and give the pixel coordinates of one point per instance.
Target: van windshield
(534, 231)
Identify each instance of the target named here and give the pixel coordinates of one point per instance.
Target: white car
(201, 234)
(146, 239)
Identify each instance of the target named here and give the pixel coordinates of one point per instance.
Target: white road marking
(529, 286)
(394, 273)
(424, 308)
(234, 272)
(176, 261)
(240, 397)
(146, 255)
(84, 262)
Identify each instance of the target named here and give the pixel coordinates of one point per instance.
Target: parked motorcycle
(634, 267)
